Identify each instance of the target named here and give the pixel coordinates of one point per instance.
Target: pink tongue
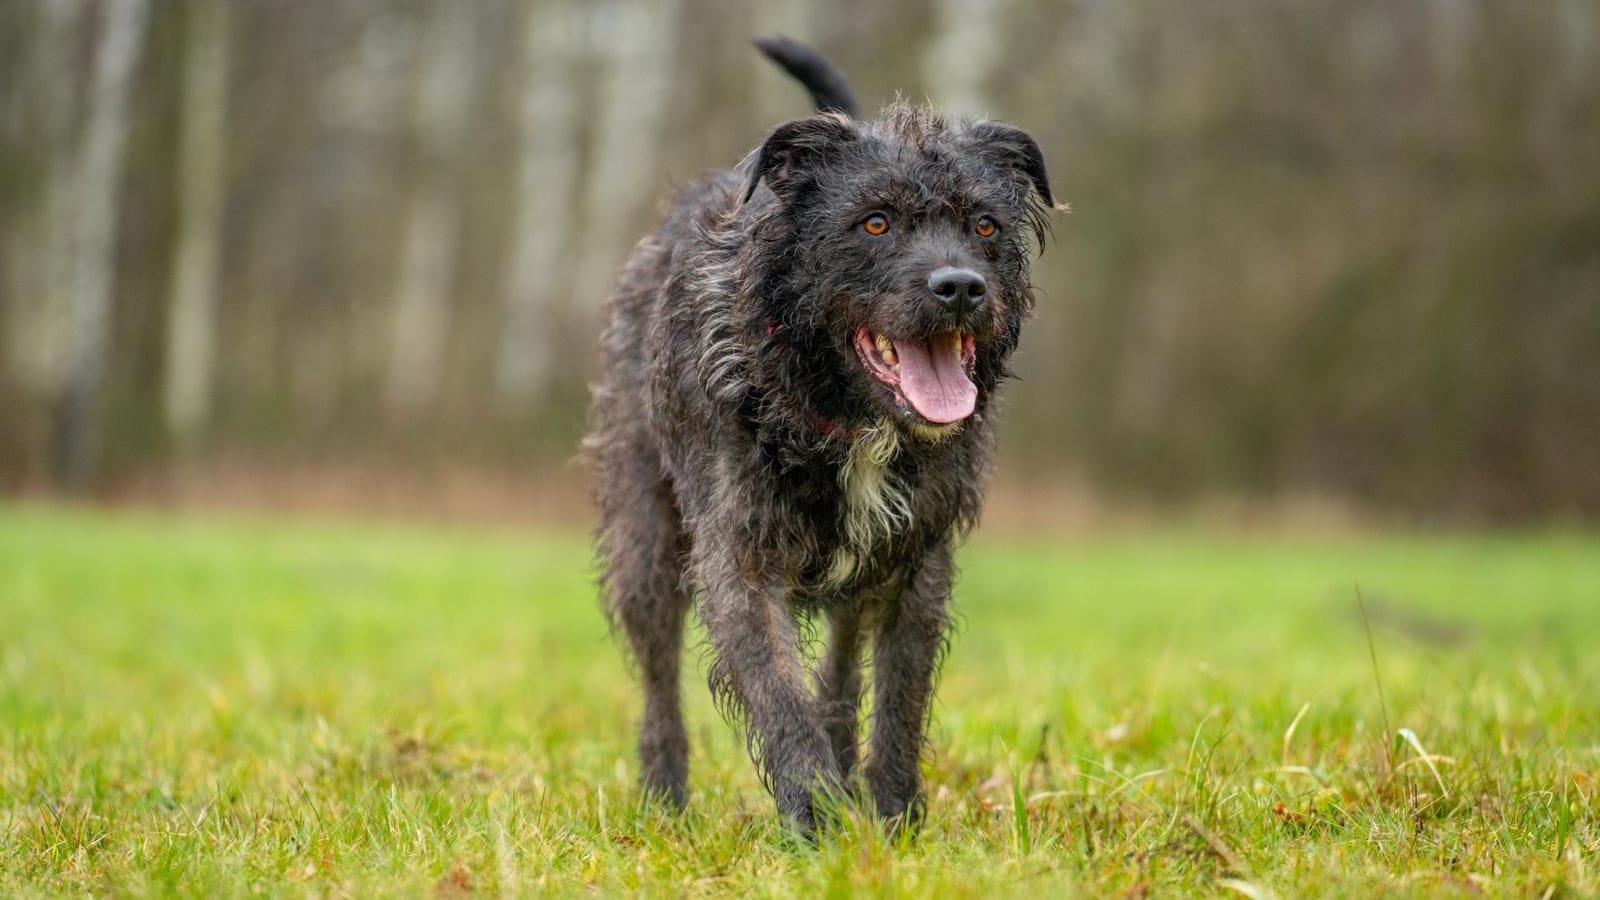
(932, 378)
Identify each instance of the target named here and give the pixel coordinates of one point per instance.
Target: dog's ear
(794, 145)
(1013, 148)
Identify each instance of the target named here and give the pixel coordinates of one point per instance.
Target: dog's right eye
(875, 225)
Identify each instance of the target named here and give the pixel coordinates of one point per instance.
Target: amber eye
(985, 227)
(875, 225)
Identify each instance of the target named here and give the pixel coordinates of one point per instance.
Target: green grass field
(246, 706)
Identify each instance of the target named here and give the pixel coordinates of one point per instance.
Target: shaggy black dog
(793, 417)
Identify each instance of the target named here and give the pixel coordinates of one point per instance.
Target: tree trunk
(547, 176)
(966, 46)
(777, 98)
(42, 258)
(633, 111)
(433, 220)
(191, 321)
(93, 241)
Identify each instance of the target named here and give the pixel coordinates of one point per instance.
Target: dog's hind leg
(645, 595)
(839, 686)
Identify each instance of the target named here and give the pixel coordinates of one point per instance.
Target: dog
(793, 421)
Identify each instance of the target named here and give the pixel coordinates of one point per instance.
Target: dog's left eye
(986, 227)
(875, 225)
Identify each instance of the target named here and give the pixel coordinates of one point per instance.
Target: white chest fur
(876, 505)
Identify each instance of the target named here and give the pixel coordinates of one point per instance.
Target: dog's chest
(874, 511)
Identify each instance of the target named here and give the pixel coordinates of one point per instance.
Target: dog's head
(900, 248)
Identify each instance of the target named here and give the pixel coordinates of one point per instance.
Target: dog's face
(908, 249)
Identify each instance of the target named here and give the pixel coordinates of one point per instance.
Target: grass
(225, 707)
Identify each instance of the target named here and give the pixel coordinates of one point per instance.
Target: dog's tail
(829, 89)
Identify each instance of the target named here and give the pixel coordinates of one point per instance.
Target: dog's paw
(667, 790)
(907, 820)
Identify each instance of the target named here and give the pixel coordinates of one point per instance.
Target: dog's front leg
(758, 675)
(910, 635)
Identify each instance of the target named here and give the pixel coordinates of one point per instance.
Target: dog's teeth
(955, 339)
(886, 350)
(890, 357)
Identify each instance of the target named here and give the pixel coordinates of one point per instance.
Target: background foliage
(1338, 248)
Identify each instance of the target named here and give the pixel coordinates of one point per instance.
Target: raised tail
(829, 90)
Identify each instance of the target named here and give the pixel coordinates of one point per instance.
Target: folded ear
(793, 146)
(1013, 148)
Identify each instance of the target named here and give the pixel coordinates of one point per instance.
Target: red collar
(832, 429)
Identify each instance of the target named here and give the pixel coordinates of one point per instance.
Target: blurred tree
(97, 176)
(777, 97)
(542, 245)
(422, 301)
(967, 46)
(191, 321)
(634, 48)
(40, 263)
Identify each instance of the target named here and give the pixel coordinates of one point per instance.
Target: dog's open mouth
(932, 375)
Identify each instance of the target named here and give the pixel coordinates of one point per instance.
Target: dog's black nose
(959, 289)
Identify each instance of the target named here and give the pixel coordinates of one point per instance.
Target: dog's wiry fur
(746, 459)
